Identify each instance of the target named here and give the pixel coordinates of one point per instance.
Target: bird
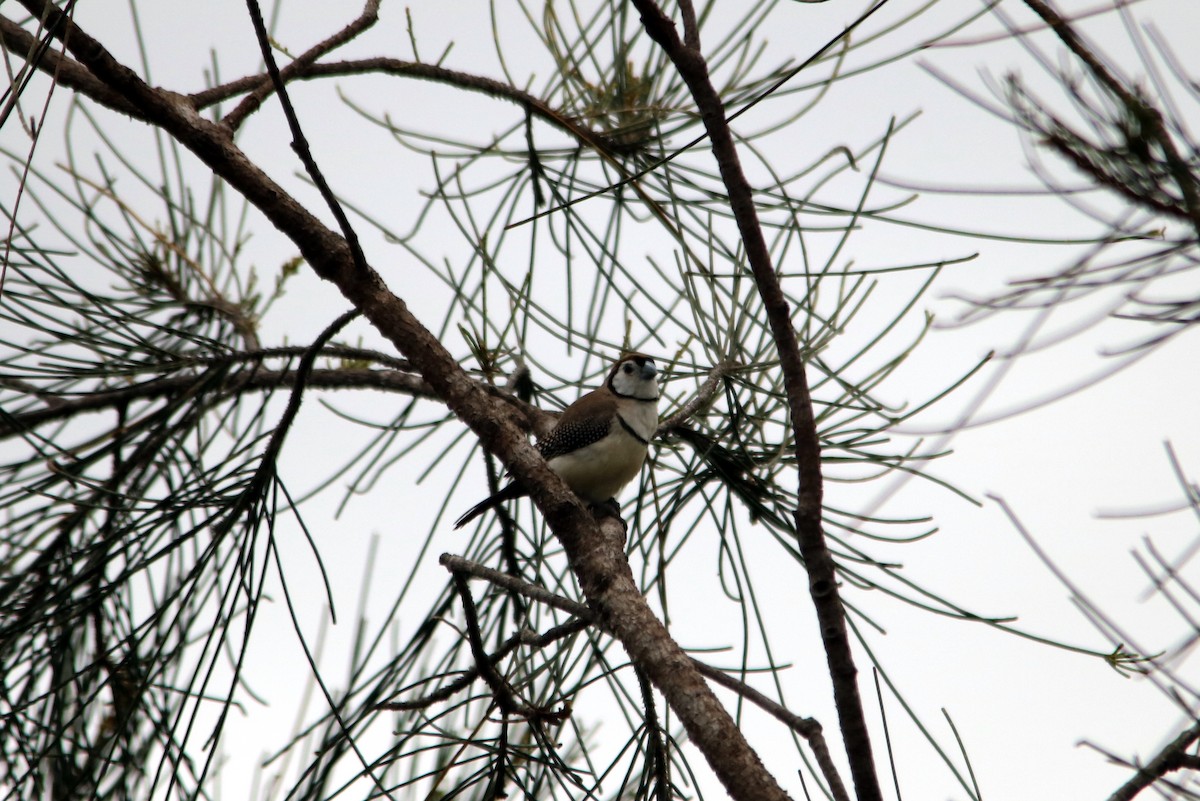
(600, 441)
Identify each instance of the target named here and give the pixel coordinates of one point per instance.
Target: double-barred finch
(600, 441)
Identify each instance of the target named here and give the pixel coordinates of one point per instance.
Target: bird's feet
(610, 508)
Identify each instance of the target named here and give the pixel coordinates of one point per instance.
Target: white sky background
(1020, 707)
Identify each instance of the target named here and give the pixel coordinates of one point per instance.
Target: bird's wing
(587, 420)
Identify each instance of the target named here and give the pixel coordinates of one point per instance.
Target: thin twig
(502, 691)
(457, 564)
(300, 141)
(698, 402)
(524, 637)
(382, 65)
(656, 744)
(251, 103)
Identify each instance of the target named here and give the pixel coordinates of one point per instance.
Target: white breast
(601, 470)
(642, 418)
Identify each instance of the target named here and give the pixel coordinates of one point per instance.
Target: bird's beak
(649, 370)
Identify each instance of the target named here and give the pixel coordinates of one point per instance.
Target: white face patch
(635, 377)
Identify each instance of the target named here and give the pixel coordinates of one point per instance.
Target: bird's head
(634, 376)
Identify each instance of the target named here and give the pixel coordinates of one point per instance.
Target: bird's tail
(506, 493)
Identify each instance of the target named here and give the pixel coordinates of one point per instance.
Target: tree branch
(58, 409)
(1148, 117)
(65, 70)
(822, 571)
(382, 65)
(1172, 757)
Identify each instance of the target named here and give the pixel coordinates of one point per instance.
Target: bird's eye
(628, 368)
